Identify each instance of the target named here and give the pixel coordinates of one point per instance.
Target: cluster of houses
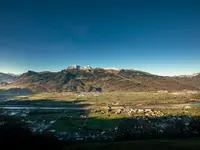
(16, 112)
(40, 126)
(153, 125)
(140, 127)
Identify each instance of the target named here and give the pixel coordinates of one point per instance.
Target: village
(77, 126)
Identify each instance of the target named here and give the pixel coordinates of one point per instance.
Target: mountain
(193, 79)
(195, 75)
(76, 78)
(7, 77)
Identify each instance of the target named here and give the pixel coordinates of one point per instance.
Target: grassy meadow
(117, 98)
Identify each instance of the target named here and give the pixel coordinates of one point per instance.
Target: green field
(117, 98)
(98, 117)
(65, 126)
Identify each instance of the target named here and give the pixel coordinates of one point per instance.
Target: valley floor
(105, 116)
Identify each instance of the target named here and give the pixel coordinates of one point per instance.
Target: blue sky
(161, 37)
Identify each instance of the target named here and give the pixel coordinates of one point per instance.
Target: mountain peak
(87, 67)
(78, 67)
(190, 76)
(195, 74)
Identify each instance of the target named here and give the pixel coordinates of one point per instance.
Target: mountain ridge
(87, 79)
(7, 77)
(78, 67)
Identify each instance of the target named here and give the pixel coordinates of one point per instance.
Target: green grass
(33, 117)
(106, 115)
(49, 96)
(196, 96)
(120, 98)
(133, 98)
(96, 123)
(48, 115)
(43, 116)
(195, 111)
(63, 126)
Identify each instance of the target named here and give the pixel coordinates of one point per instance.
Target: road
(164, 106)
(46, 108)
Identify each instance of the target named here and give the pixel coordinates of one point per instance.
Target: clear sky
(158, 36)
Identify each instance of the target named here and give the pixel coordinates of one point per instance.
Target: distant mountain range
(7, 77)
(195, 75)
(76, 78)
